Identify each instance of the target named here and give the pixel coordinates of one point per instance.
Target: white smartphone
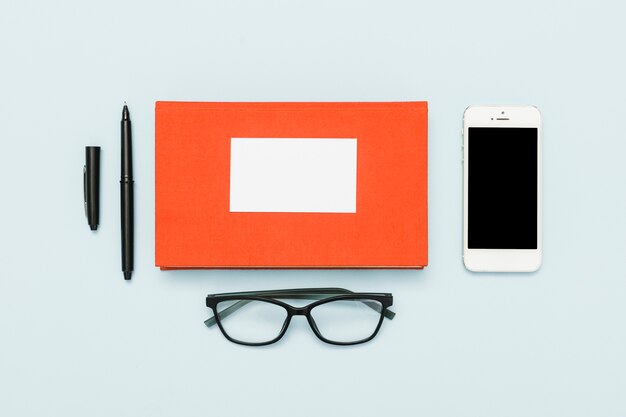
(502, 189)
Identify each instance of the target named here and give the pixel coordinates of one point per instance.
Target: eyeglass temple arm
(297, 294)
(315, 294)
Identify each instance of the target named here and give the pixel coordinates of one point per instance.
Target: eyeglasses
(338, 317)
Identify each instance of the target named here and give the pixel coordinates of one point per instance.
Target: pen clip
(85, 189)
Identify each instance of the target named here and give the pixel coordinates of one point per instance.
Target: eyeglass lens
(347, 321)
(254, 321)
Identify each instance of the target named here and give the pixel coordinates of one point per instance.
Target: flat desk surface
(79, 341)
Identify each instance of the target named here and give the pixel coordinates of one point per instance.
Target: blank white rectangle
(293, 175)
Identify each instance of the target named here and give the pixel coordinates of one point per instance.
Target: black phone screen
(502, 187)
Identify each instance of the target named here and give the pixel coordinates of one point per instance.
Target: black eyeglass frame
(324, 296)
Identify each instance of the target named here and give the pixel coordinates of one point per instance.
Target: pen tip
(127, 275)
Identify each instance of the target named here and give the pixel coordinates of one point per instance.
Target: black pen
(126, 185)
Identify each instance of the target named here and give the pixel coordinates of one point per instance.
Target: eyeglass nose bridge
(299, 311)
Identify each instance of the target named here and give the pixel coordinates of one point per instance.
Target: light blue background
(76, 340)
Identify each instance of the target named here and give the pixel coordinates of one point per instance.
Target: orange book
(291, 185)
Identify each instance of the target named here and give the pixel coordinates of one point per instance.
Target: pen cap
(91, 180)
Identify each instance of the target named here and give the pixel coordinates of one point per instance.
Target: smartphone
(502, 188)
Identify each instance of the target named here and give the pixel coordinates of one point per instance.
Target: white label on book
(293, 175)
